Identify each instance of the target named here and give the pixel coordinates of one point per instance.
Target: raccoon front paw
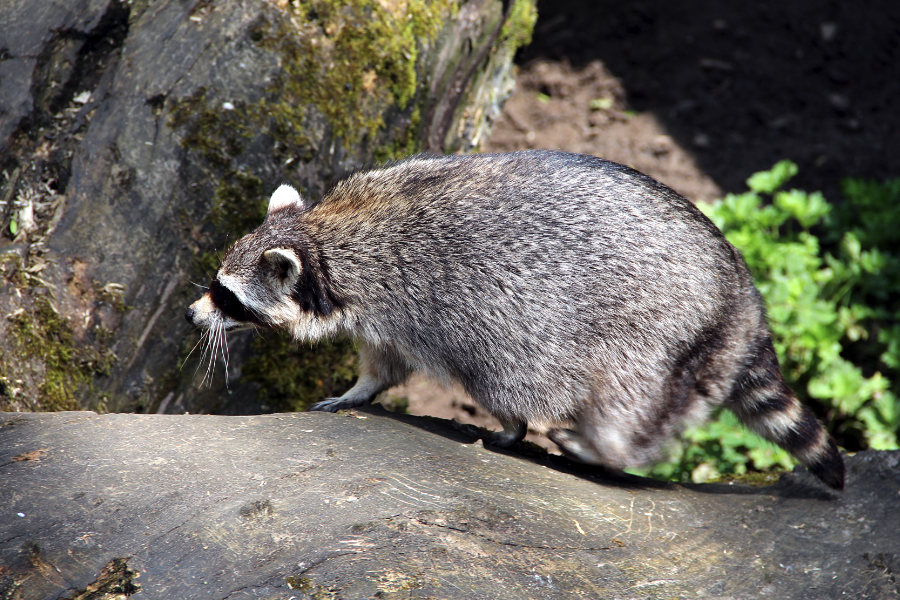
(333, 405)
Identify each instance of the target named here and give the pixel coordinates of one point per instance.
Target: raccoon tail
(766, 404)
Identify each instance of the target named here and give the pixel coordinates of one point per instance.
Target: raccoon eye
(228, 303)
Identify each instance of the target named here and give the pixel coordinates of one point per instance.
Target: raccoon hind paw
(575, 446)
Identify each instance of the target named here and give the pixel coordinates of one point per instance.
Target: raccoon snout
(189, 315)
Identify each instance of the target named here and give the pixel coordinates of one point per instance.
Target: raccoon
(557, 289)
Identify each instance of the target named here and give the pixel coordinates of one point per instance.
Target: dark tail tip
(829, 466)
(766, 404)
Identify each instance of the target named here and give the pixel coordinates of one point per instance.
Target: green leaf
(600, 104)
(766, 182)
(890, 337)
(808, 209)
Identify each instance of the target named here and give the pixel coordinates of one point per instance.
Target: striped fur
(764, 403)
(557, 289)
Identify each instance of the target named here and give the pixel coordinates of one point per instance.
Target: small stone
(839, 101)
(828, 31)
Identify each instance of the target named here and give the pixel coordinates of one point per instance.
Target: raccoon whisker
(223, 348)
(220, 349)
(215, 335)
(206, 342)
(207, 348)
(201, 286)
(200, 341)
(204, 339)
(207, 375)
(213, 346)
(223, 352)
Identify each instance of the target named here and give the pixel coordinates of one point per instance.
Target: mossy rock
(224, 102)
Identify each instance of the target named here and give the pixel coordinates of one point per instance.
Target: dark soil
(736, 85)
(702, 94)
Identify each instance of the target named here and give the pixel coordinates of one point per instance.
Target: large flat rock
(369, 504)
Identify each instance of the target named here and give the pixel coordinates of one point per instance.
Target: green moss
(294, 376)
(309, 588)
(519, 26)
(43, 334)
(216, 134)
(352, 60)
(405, 143)
(239, 203)
(219, 136)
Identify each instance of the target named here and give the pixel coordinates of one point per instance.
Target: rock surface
(369, 504)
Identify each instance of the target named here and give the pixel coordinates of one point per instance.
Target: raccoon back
(534, 267)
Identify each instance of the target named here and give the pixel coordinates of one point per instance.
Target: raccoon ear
(283, 197)
(285, 263)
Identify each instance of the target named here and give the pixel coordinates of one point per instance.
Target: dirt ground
(700, 95)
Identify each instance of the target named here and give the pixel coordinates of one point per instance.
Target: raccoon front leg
(379, 369)
(363, 392)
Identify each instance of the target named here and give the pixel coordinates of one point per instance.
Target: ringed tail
(764, 402)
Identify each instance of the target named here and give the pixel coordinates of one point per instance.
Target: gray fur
(556, 288)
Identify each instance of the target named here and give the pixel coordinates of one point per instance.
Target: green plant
(830, 276)
(293, 376)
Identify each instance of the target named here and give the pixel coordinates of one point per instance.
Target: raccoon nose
(189, 315)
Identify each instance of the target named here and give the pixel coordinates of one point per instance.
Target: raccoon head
(276, 277)
(257, 280)
(257, 274)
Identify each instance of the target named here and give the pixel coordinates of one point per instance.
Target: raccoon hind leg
(575, 446)
(764, 402)
(379, 369)
(613, 435)
(513, 431)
